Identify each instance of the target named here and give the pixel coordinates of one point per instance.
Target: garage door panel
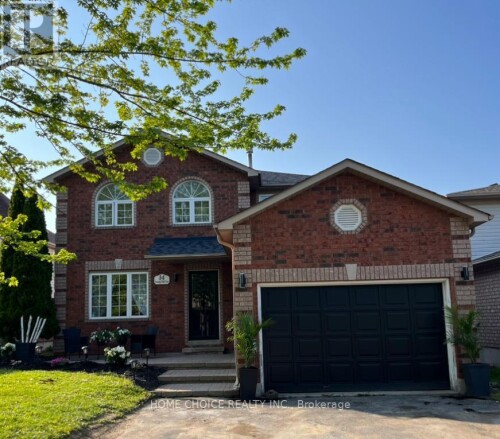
(282, 325)
(277, 300)
(400, 371)
(355, 338)
(397, 320)
(307, 323)
(279, 350)
(335, 298)
(337, 322)
(338, 347)
(428, 320)
(398, 346)
(281, 373)
(396, 296)
(366, 321)
(368, 347)
(432, 370)
(342, 372)
(308, 348)
(306, 298)
(370, 372)
(366, 297)
(427, 295)
(308, 373)
(429, 345)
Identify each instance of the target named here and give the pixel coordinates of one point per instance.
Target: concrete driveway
(343, 417)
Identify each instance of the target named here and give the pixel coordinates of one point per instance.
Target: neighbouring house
(486, 260)
(354, 266)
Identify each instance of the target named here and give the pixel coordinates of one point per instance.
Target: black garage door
(355, 338)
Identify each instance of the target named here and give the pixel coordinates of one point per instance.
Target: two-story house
(354, 266)
(486, 259)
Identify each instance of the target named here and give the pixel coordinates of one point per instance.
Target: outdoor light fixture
(242, 280)
(465, 273)
(133, 365)
(38, 350)
(147, 352)
(85, 350)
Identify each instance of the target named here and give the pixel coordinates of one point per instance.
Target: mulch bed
(145, 376)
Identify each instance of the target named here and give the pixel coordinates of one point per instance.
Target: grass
(54, 404)
(495, 380)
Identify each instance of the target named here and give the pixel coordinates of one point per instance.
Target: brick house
(485, 244)
(353, 265)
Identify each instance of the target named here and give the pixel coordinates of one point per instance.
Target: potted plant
(463, 333)
(245, 330)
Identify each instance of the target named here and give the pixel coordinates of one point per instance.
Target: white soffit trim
(474, 216)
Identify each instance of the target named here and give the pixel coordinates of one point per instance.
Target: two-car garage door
(354, 338)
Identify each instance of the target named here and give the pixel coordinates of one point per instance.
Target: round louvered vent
(348, 217)
(152, 156)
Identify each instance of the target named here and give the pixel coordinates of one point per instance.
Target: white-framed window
(118, 295)
(192, 203)
(113, 208)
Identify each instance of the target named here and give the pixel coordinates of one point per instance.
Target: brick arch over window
(111, 208)
(191, 202)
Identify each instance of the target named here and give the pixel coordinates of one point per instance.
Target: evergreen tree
(33, 295)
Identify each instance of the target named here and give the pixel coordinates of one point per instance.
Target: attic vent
(152, 156)
(348, 217)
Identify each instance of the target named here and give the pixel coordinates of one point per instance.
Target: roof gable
(474, 216)
(205, 152)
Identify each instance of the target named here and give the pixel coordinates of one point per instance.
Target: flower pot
(477, 379)
(248, 383)
(25, 352)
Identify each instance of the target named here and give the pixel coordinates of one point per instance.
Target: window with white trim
(119, 295)
(113, 208)
(192, 203)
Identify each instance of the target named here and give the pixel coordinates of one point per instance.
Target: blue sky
(408, 87)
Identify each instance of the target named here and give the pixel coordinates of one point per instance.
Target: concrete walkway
(384, 417)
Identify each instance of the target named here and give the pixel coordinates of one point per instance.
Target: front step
(175, 390)
(199, 361)
(203, 350)
(198, 376)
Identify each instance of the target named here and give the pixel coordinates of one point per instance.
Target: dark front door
(203, 305)
(355, 338)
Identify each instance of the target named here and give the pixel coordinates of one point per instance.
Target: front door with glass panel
(203, 305)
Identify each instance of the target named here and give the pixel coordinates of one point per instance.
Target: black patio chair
(73, 341)
(139, 342)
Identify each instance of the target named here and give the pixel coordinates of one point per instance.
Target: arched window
(113, 208)
(192, 203)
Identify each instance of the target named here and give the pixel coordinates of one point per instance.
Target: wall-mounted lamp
(242, 280)
(465, 273)
(176, 277)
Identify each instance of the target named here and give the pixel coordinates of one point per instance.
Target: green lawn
(495, 380)
(52, 404)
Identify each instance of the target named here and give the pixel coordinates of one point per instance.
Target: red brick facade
(168, 303)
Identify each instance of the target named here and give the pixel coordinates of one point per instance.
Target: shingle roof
(206, 246)
(489, 191)
(269, 178)
(486, 258)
